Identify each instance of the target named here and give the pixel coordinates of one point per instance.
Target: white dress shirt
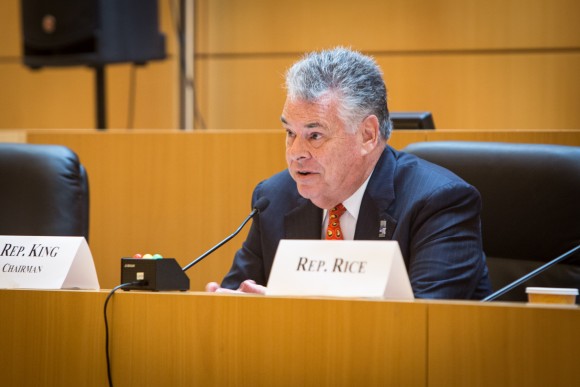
(350, 216)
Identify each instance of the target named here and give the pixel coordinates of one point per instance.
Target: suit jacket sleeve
(434, 216)
(445, 252)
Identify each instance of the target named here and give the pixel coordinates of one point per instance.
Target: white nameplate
(43, 262)
(372, 269)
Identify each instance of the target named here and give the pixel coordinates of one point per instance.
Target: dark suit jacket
(432, 213)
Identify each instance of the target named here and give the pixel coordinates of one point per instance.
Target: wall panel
(516, 91)
(460, 58)
(49, 98)
(264, 26)
(476, 65)
(242, 93)
(174, 193)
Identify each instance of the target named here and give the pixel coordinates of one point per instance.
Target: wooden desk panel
(56, 338)
(503, 345)
(52, 338)
(212, 340)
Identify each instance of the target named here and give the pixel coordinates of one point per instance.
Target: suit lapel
(304, 221)
(374, 221)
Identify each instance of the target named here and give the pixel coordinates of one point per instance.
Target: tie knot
(337, 211)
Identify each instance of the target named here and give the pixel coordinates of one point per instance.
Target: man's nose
(298, 149)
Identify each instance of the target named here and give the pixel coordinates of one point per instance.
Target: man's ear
(370, 133)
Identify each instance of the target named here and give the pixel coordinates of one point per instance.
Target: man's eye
(315, 136)
(290, 133)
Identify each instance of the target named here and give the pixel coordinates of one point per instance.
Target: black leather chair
(531, 206)
(43, 191)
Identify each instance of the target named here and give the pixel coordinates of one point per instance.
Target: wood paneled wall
(500, 64)
(475, 65)
(171, 193)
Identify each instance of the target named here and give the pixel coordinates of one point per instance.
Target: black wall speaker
(90, 32)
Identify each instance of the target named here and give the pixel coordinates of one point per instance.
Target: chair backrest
(43, 191)
(531, 206)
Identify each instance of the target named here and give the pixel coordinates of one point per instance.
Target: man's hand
(248, 286)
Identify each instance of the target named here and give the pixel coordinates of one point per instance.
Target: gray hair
(354, 78)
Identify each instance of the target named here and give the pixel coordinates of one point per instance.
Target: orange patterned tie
(333, 230)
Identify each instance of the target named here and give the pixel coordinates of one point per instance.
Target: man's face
(324, 156)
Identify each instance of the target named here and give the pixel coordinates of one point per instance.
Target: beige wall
(475, 64)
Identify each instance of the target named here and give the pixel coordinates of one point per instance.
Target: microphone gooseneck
(259, 206)
(530, 275)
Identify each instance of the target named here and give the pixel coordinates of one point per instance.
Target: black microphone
(165, 274)
(260, 206)
(530, 275)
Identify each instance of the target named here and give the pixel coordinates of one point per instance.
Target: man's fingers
(212, 287)
(250, 286)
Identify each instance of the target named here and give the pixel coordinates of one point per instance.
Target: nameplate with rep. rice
(46, 262)
(368, 269)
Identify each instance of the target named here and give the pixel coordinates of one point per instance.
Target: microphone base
(156, 274)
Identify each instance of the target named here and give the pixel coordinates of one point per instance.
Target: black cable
(107, 326)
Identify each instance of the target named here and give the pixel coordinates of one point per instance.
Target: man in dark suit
(337, 125)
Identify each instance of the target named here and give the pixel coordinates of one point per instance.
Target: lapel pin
(383, 229)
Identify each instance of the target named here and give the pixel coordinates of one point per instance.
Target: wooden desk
(502, 344)
(56, 338)
(182, 339)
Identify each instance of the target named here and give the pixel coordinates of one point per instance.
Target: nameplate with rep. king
(367, 269)
(46, 262)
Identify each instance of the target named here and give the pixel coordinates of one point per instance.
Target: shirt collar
(352, 204)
